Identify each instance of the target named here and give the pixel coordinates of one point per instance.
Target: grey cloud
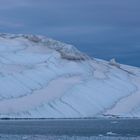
(105, 26)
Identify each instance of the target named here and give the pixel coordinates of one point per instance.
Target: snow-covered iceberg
(44, 78)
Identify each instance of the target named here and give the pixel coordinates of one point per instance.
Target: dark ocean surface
(72, 127)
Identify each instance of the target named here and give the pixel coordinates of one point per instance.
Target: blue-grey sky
(101, 28)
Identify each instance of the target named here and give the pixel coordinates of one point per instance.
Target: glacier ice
(44, 78)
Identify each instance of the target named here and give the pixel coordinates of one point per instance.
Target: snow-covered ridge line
(67, 51)
(44, 78)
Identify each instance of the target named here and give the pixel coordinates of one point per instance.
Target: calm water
(71, 128)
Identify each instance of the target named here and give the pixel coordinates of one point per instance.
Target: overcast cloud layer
(102, 28)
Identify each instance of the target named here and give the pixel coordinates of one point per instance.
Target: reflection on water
(70, 129)
(40, 137)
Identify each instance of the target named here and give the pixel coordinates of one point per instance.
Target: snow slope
(44, 78)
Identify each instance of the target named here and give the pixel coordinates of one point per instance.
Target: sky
(102, 28)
